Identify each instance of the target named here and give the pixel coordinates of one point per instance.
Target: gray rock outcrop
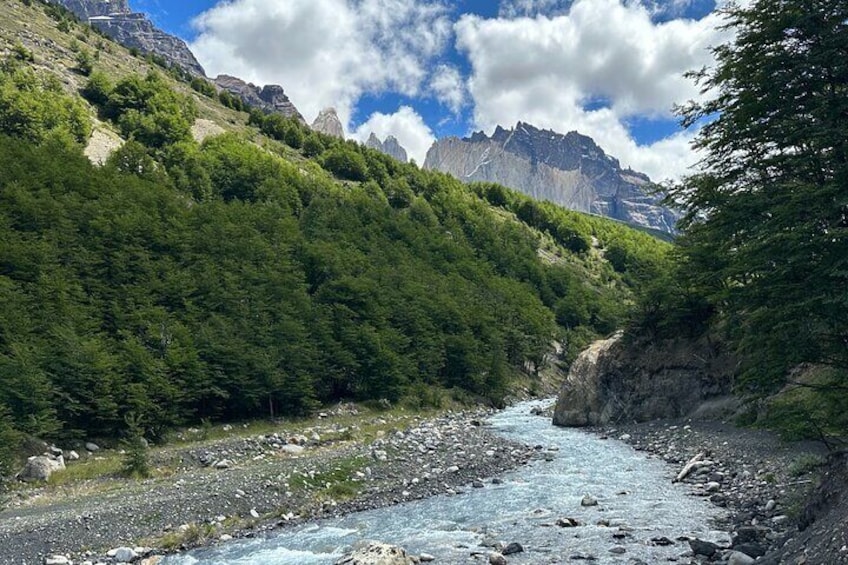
(134, 30)
(569, 170)
(391, 147)
(615, 381)
(328, 123)
(270, 98)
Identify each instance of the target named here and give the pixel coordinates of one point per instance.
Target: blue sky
(421, 69)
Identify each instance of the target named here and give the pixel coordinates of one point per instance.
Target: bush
(345, 163)
(136, 459)
(85, 62)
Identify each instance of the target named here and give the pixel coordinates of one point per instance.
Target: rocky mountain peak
(570, 170)
(270, 98)
(133, 30)
(328, 123)
(391, 147)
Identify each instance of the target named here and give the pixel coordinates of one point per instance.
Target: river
(635, 495)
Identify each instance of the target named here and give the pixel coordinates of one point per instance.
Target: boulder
(701, 547)
(617, 380)
(739, 558)
(588, 501)
(92, 447)
(513, 548)
(496, 558)
(40, 467)
(123, 555)
(374, 553)
(56, 560)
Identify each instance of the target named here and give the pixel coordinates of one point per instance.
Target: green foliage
(766, 235)
(312, 146)
(21, 53)
(136, 461)
(231, 101)
(345, 162)
(204, 87)
(35, 108)
(10, 440)
(85, 62)
(145, 109)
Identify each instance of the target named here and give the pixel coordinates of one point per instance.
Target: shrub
(345, 163)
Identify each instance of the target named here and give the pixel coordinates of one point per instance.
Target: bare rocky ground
(786, 500)
(242, 486)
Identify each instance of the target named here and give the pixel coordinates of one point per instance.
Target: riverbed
(638, 512)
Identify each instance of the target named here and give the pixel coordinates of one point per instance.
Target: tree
(766, 222)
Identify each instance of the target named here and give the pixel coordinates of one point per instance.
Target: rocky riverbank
(242, 486)
(766, 484)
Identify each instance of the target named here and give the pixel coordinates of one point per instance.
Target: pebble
(588, 501)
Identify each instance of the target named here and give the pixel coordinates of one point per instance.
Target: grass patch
(804, 464)
(338, 483)
(95, 468)
(192, 536)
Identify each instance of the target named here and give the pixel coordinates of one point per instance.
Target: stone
(496, 558)
(222, 464)
(567, 523)
(739, 558)
(618, 550)
(701, 547)
(92, 447)
(749, 534)
(123, 554)
(661, 541)
(254, 513)
(770, 505)
(73, 456)
(40, 467)
(426, 558)
(477, 484)
(292, 449)
(375, 553)
(712, 487)
(751, 549)
(512, 549)
(588, 501)
(57, 560)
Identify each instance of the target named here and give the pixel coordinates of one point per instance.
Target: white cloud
(544, 70)
(406, 125)
(519, 8)
(325, 52)
(448, 86)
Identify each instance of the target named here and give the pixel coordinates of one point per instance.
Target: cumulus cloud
(552, 71)
(406, 125)
(449, 87)
(325, 52)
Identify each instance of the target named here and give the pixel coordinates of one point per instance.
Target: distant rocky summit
(133, 30)
(615, 381)
(269, 98)
(328, 123)
(569, 170)
(391, 147)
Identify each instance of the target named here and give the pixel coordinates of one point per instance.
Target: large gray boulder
(620, 380)
(40, 467)
(373, 553)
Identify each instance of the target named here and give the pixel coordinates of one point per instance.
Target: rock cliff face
(570, 170)
(118, 21)
(613, 382)
(269, 98)
(328, 123)
(390, 147)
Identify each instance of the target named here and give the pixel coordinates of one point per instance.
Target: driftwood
(695, 463)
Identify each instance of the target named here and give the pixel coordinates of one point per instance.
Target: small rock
(222, 464)
(662, 541)
(426, 558)
(624, 437)
(225, 537)
(477, 484)
(712, 487)
(588, 501)
(123, 555)
(739, 558)
(73, 456)
(496, 558)
(254, 513)
(618, 550)
(701, 547)
(770, 505)
(512, 549)
(782, 519)
(92, 447)
(567, 523)
(57, 560)
(750, 549)
(292, 449)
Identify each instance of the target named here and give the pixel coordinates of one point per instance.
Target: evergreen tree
(767, 216)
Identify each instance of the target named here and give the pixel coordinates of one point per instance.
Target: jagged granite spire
(328, 123)
(133, 30)
(569, 170)
(390, 147)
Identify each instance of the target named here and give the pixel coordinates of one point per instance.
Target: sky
(426, 69)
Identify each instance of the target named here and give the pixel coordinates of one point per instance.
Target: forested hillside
(261, 272)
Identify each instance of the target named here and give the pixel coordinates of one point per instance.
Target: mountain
(270, 98)
(569, 170)
(390, 147)
(328, 123)
(116, 19)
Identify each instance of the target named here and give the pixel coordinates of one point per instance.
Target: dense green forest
(763, 260)
(262, 275)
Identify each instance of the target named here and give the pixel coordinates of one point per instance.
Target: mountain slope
(569, 170)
